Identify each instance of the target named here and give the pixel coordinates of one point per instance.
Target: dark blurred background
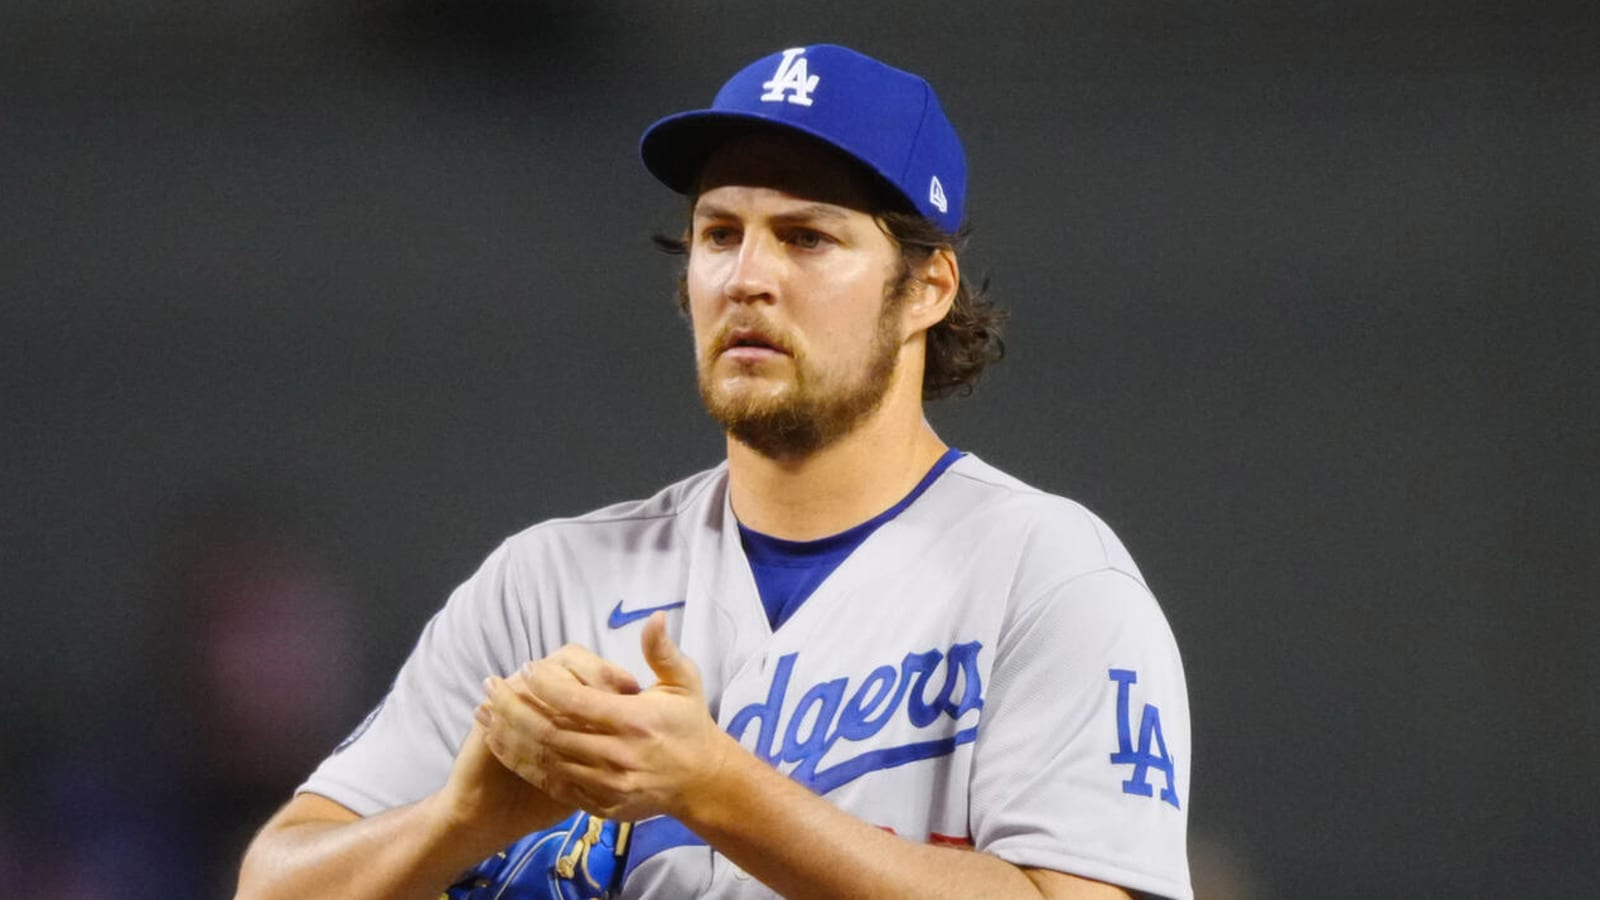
(305, 305)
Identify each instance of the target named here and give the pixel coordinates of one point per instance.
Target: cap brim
(676, 148)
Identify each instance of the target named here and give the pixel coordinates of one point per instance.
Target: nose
(754, 275)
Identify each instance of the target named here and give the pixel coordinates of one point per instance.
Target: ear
(933, 291)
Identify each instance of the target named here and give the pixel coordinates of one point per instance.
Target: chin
(738, 405)
(746, 390)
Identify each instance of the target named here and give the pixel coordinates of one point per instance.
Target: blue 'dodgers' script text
(824, 715)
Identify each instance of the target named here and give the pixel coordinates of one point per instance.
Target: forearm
(408, 851)
(658, 751)
(805, 847)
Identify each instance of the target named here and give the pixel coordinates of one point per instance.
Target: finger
(600, 791)
(554, 754)
(589, 751)
(593, 670)
(510, 700)
(515, 685)
(567, 705)
(514, 734)
(671, 666)
(479, 752)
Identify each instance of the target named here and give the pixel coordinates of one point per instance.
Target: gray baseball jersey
(988, 669)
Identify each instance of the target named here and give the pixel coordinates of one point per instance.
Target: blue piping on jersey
(657, 835)
(887, 758)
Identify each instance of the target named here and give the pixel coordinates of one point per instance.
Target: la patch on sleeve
(1150, 754)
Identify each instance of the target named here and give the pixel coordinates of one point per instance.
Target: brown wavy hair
(962, 344)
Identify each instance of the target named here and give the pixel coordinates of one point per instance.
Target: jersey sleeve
(404, 749)
(1081, 763)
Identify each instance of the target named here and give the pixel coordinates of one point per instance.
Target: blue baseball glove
(581, 858)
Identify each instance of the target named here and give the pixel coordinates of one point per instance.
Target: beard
(808, 415)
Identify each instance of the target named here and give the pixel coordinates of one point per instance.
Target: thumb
(669, 663)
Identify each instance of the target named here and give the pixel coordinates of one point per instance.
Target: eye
(806, 238)
(719, 235)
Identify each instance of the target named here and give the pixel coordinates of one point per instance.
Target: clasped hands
(581, 729)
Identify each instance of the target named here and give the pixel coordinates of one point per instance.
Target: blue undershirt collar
(788, 572)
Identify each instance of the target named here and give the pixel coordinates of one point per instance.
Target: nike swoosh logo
(619, 618)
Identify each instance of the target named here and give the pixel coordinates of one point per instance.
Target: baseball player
(849, 660)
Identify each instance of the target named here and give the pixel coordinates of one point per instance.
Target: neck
(840, 486)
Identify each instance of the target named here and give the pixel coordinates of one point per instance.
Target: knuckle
(572, 655)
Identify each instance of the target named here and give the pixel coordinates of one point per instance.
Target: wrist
(707, 800)
(447, 820)
(443, 817)
(450, 840)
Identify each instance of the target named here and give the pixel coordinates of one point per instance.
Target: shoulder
(629, 526)
(1071, 582)
(570, 567)
(1052, 539)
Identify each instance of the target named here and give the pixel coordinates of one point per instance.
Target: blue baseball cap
(888, 120)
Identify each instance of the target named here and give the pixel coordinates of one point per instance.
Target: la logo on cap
(793, 81)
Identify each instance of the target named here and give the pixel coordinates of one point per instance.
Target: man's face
(797, 331)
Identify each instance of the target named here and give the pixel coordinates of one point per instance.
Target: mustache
(749, 329)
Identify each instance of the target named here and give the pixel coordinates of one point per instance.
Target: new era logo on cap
(888, 120)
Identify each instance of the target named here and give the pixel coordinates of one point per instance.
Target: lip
(750, 344)
(751, 354)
